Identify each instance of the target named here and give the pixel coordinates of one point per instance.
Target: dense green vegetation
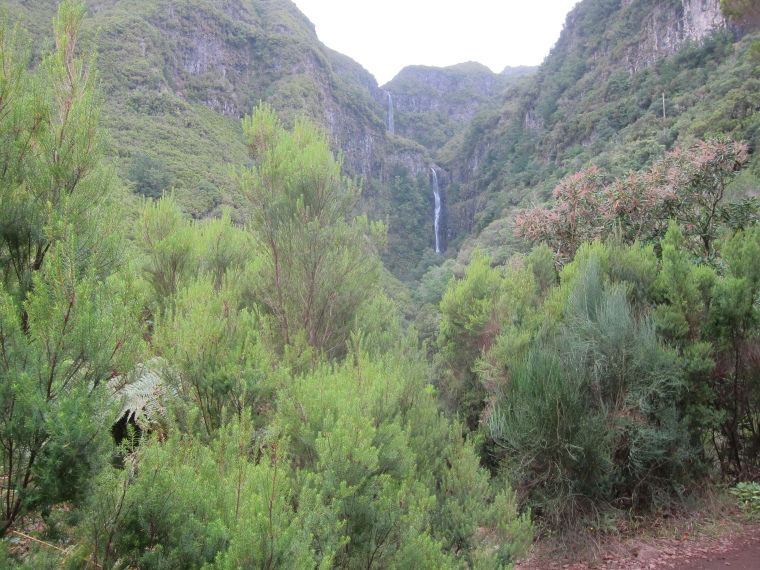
(177, 76)
(407, 246)
(288, 383)
(615, 385)
(598, 99)
(271, 410)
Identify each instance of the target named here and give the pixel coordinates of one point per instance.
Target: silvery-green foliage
(143, 394)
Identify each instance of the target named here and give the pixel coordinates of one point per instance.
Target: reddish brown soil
(738, 548)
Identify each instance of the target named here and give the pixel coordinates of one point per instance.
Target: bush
(588, 419)
(149, 174)
(748, 495)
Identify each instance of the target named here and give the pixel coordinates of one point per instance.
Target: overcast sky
(386, 36)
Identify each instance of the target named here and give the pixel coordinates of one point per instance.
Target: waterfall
(391, 128)
(437, 218)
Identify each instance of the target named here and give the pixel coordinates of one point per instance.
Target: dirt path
(742, 551)
(738, 549)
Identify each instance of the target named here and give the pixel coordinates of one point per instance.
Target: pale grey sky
(386, 36)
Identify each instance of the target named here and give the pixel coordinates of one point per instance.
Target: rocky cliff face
(164, 59)
(457, 90)
(268, 50)
(431, 104)
(637, 33)
(668, 26)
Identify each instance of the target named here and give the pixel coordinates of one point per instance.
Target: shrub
(588, 419)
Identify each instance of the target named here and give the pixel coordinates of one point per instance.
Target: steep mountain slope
(432, 104)
(598, 98)
(178, 74)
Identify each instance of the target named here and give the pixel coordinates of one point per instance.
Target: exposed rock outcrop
(668, 26)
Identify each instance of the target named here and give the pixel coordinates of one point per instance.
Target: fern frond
(143, 394)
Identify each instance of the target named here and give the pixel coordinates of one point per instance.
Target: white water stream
(437, 218)
(391, 126)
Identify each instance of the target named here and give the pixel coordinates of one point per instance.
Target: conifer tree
(51, 172)
(468, 328)
(67, 322)
(317, 265)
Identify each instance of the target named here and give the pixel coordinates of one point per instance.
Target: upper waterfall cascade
(437, 218)
(391, 127)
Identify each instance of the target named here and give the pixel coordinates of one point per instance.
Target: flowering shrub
(687, 185)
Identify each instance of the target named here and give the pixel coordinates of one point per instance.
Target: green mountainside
(432, 104)
(177, 76)
(598, 98)
(272, 367)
